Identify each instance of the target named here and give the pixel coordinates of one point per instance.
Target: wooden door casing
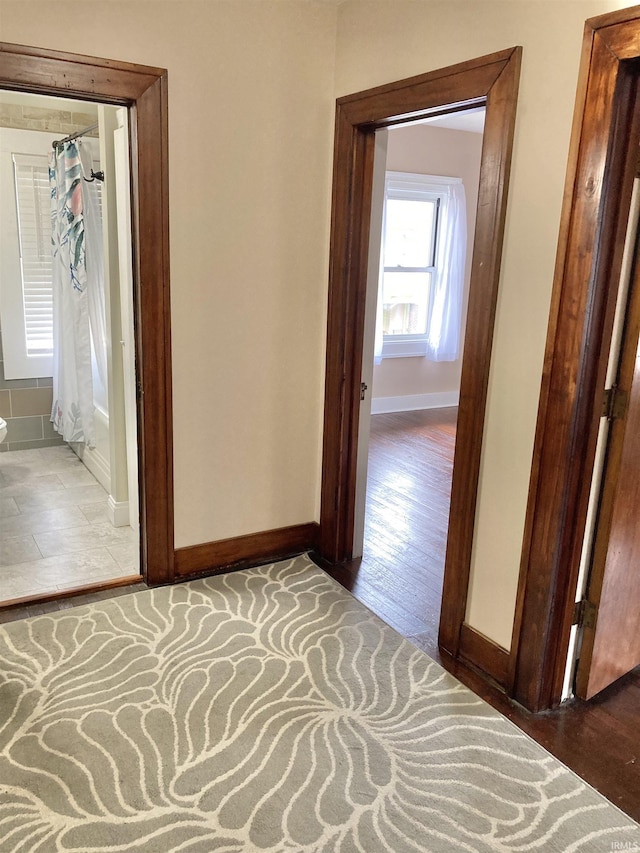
(144, 91)
(611, 647)
(592, 235)
(492, 81)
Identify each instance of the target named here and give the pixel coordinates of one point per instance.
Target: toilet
(3, 430)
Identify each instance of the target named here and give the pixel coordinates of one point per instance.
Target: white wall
(383, 41)
(251, 110)
(431, 151)
(251, 103)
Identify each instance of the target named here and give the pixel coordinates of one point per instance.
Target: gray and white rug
(265, 710)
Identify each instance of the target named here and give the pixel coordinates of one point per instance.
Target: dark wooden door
(611, 647)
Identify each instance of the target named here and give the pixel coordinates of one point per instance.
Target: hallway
(598, 740)
(400, 579)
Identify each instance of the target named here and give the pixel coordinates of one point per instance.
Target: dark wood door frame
(602, 163)
(492, 81)
(144, 91)
(611, 647)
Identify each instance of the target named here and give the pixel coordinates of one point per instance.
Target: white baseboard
(98, 465)
(414, 402)
(93, 458)
(118, 512)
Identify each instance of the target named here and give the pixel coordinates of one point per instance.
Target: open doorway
(490, 82)
(141, 91)
(68, 466)
(424, 201)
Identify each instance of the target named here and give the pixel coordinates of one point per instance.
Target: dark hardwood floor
(400, 573)
(400, 578)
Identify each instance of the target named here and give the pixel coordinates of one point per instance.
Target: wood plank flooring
(399, 577)
(408, 490)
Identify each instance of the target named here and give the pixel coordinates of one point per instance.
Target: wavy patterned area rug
(265, 710)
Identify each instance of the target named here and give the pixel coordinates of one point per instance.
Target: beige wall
(250, 133)
(384, 41)
(251, 88)
(431, 151)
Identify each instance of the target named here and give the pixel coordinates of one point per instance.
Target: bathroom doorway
(142, 91)
(68, 509)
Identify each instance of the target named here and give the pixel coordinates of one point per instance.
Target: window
(419, 214)
(33, 204)
(22, 151)
(26, 309)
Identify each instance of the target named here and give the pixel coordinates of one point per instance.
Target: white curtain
(443, 334)
(379, 338)
(76, 274)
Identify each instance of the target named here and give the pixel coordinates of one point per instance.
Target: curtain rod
(57, 142)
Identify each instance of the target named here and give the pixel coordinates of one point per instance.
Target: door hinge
(614, 403)
(584, 614)
(363, 388)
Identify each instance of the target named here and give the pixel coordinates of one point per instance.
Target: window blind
(34, 229)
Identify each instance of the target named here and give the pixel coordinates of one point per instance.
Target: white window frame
(411, 185)
(33, 206)
(17, 364)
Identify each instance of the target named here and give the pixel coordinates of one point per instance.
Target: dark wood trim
(492, 81)
(53, 72)
(144, 90)
(240, 552)
(59, 595)
(596, 204)
(476, 362)
(414, 97)
(612, 587)
(153, 314)
(484, 654)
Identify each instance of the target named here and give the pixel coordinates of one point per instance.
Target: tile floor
(54, 530)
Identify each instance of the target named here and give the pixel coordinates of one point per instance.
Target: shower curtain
(78, 293)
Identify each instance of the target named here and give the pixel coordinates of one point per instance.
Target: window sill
(404, 348)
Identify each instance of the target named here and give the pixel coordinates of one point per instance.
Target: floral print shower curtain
(72, 412)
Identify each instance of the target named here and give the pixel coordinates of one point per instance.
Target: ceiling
(469, 121)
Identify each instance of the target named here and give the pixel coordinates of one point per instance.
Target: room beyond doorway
(490, 81)
(400, 574)
(55, 532)
(69, 462)
(144, 91)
